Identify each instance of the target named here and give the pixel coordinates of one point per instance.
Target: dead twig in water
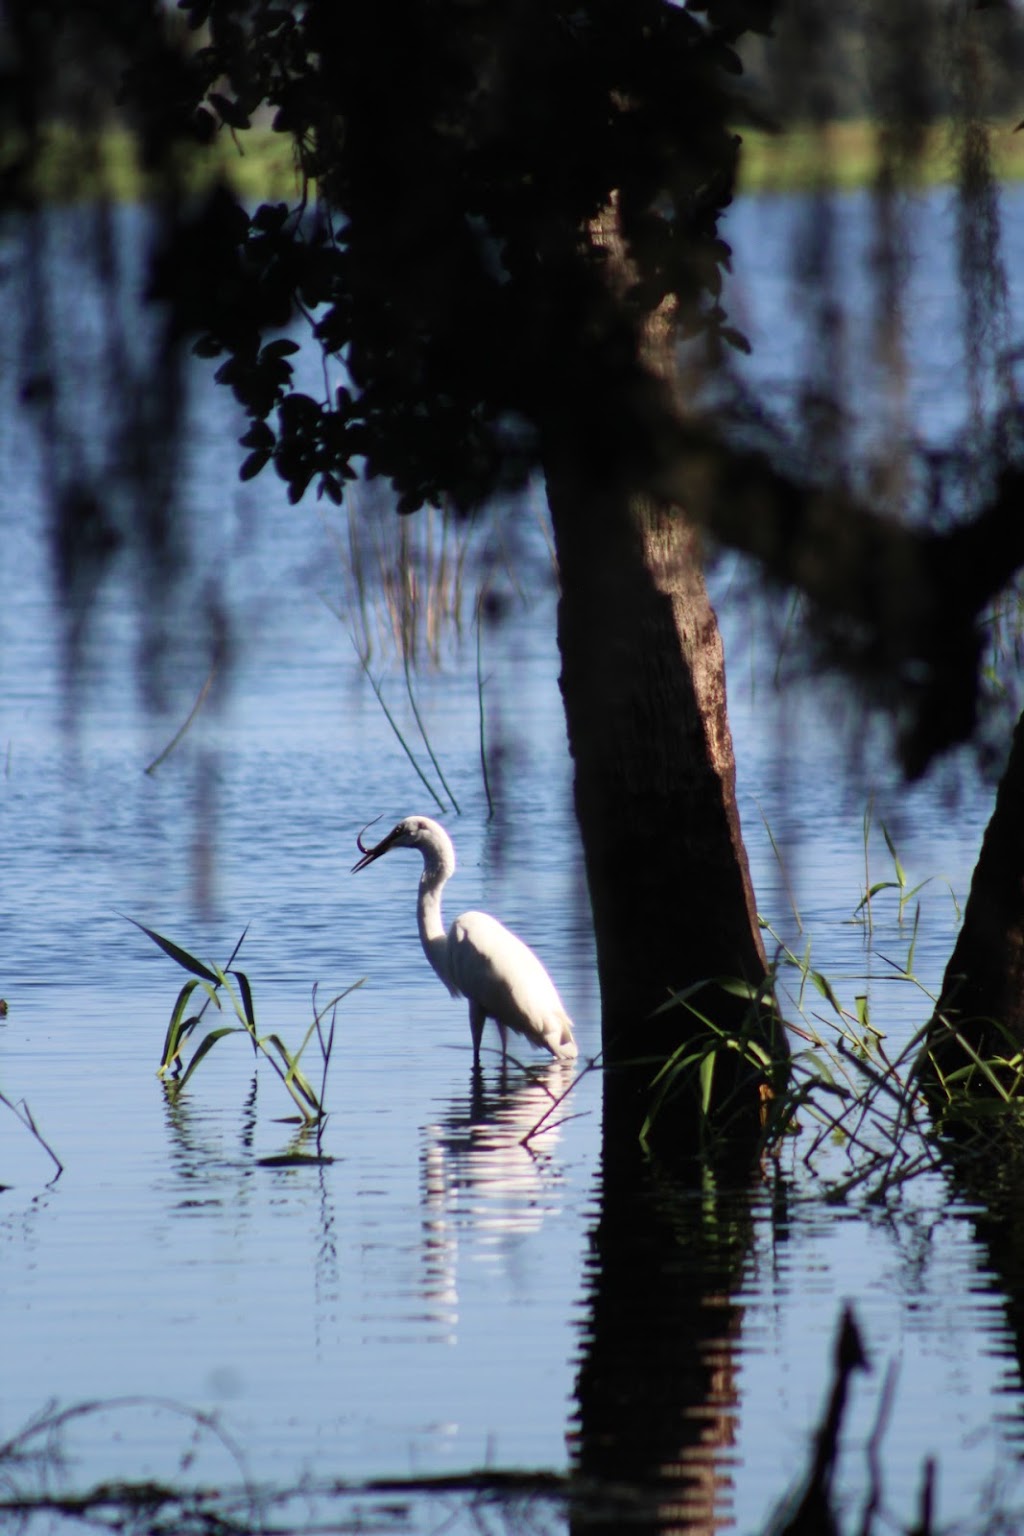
(24, 1115)
(196, 707)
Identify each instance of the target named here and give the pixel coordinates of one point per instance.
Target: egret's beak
(369, 854)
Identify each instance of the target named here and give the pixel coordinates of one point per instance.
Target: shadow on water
(657, 1389)
(657, 1394)
(991, 1184)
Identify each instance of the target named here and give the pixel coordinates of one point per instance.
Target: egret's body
(478, 958)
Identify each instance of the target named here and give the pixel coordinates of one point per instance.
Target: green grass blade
(234, 953)
(913, 940)
(178, 955)
(247, 1002)
(291, 1076)
(787, 884)
(982, 1066)
(178, 1027)
(897, 866)
(866, 829)
(205, 1046)
(339, 997)
(707, 1078)
(880, 885)
(822, 984)
(297, 1055)
(180, 732)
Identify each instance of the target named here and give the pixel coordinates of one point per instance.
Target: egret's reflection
(488, 1172)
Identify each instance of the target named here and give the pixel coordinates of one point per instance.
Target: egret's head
(411, 832)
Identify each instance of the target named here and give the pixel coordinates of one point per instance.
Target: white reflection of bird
(478, 958)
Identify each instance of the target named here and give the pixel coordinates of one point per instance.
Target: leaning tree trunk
(643, 683)
(981, 1007)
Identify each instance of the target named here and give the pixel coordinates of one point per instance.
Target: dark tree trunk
(643, 682)
(644, 688)
(657, 1392)
(982, 998)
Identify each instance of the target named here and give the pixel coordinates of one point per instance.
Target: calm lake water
(424, 1302)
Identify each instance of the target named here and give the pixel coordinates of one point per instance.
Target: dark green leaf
(247, 1002)
(229, 111)
(181, 956)
(281, 348)
(270, 217)
(735, 339)
(205, 1046)
(259, 435)
(252, 465)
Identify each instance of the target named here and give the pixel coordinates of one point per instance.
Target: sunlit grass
(838, 1087)
(214, 985)
(837, 1082)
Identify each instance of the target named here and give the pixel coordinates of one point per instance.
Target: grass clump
(220, 985)
(838, 1079)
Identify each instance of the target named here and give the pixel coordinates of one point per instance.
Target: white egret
(478, 958)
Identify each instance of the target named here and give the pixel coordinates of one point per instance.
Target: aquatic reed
(216, 983)
(404, 585)
(862, 911)
(836, 1075)
(480, 703)
(405, 589)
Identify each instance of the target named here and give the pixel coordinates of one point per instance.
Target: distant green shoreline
(846, 156)
(259, 165)
(75, 168)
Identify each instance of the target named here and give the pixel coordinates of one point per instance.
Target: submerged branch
(24, 1114)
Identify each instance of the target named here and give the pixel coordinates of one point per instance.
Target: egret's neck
(438, 864)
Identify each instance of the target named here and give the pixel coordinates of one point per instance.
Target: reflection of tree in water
(657, 1396)
(480, 1176)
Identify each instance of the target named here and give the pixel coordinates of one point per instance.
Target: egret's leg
(477, 1019)
(503, 1032)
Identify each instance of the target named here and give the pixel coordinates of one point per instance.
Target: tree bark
(982, 998)
(643, 682)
